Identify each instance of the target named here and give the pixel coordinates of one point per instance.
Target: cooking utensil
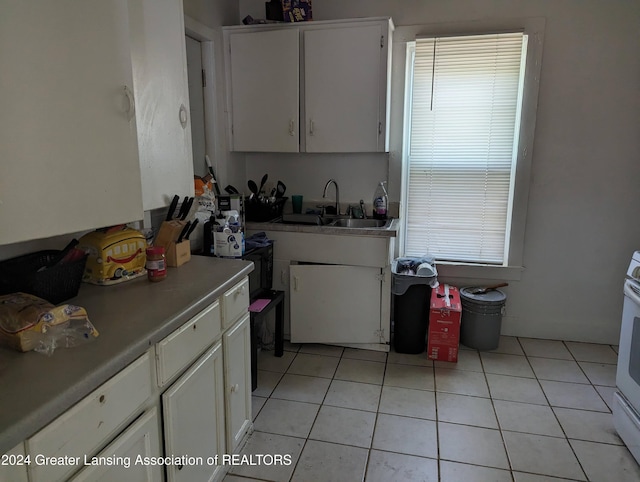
(186, 208)
(183, 233)
(253, 187)
(483, 289)
(193, 226)
(280, 189)
(213, 175)
(172, 207)
(231, 190)
(182, 206)
(264, 179)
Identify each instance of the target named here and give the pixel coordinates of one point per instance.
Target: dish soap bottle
(380, 202)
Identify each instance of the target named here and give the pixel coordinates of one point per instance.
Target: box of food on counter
(444, 324)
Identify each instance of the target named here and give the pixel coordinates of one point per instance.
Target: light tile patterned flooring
(530, 411)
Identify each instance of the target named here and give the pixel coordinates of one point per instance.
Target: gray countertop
(130, 317)
(390, 232)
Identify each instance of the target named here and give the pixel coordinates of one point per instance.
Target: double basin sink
(335, 221)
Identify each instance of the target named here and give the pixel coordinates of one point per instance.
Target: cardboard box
(444, 324)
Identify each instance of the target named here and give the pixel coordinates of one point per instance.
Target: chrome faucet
(324, 194)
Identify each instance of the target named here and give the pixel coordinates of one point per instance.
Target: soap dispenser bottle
(380, 202)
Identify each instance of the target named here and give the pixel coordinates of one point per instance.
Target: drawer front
(90, 423)
(183, 346)
(13, 467)
(235, 302)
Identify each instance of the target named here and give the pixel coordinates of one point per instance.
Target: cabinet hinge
(381, 41)
(204, 78)
(380, 277)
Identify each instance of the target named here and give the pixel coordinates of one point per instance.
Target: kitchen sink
(360, 223)
(334, 221)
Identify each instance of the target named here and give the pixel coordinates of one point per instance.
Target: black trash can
(411, 294)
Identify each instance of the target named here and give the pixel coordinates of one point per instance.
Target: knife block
(178, 253)
(168, 233)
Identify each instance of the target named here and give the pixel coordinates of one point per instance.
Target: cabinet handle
(379, 128)
(310, 127)
(182, 114)
(240, 290)
(131, 109)
(292, 127)
(234, 388)
(283, 278)
(295, 283)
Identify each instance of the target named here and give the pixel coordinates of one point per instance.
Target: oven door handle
(632, 290)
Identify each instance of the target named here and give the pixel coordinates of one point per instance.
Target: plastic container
(481, 318)
(411, 295)
(380, 202)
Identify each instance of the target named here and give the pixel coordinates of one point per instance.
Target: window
(464, 104)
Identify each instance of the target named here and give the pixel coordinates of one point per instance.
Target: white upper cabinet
(158, 56)
(345, 88)
(309, 87)
(265, 91)
(68, 157)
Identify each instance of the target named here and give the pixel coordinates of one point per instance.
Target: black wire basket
(261, 211)
(55, 284)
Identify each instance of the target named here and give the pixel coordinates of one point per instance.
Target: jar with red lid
(156, 263)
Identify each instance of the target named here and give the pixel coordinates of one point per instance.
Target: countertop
(130, 317)
(390, 232)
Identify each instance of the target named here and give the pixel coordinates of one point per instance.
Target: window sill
(477, 271)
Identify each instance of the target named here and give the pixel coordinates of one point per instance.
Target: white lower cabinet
(92, 423)
(193, 413)
(335, 304)
(127, 458)
(13, 467)
(237, 368)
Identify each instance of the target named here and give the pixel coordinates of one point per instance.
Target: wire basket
(259, 211)
(55, 284)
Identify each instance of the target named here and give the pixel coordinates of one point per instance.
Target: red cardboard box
(444, 324)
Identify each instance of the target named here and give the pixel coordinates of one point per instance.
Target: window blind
(464, 121)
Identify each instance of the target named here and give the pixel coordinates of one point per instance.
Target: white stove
(626, 402)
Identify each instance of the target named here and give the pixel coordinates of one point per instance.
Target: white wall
(582, 224)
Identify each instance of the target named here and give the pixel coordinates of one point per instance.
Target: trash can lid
(490, 297)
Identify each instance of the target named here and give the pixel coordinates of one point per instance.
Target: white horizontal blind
(463, 128)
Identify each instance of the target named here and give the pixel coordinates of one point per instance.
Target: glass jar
(156, 263)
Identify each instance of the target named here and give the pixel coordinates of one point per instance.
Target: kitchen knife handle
(172, 207)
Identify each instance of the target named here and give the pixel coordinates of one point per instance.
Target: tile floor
(530, 411)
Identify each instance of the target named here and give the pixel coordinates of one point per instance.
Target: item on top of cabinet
(262, 211)
(50, 274)
(115, 254)
(31, 323)
(280, 189)
(380, 202)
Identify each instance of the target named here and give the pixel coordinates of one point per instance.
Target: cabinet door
(264, 90)
(335, 304)
(16, 469)
(237, 381)
(67, 132)
(193, 413)
(158, 56)
(344, 86)
(140, 440)
(281, 283)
